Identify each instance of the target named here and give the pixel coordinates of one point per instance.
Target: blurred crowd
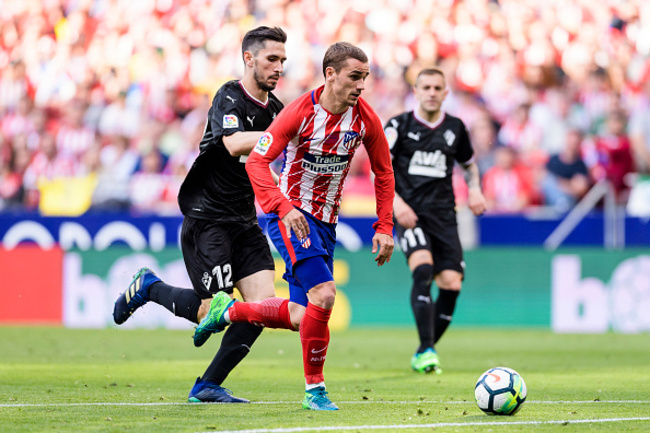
(103, 102)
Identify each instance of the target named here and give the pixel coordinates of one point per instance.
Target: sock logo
(318, 351)
(425, 299)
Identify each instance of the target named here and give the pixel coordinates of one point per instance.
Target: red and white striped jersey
(318, 148)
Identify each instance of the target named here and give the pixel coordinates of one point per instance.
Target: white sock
(309, 386)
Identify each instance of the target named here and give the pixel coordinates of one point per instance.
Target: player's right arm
(270, 145)
(241, 143)
(404, 214)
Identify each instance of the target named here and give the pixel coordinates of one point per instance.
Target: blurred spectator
(117, 163)
(567, 177)
(73, 138)
(149, 190)
(639, 129)
(483, 135)
(609, 155)
(11, 182)
(505, 185)
(521, 134)
(48, 164)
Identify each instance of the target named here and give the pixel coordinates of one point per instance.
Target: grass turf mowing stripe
(9, 405)
(432, 425)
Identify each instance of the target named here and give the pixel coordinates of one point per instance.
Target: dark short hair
(429, 71)
(254, 40)
(338, 53)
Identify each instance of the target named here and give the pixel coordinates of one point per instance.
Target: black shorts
(218, 254)
(436, 231)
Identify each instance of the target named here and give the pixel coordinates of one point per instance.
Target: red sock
(315, 337)
(270, 313)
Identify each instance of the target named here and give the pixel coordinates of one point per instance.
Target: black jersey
(217, 186)
(423, 158)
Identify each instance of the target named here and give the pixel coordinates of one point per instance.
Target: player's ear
(248, 58)
(329, 73)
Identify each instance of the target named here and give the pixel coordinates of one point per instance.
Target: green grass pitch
(117, 380)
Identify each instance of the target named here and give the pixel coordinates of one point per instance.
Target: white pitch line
(434, 425)
(171, 403)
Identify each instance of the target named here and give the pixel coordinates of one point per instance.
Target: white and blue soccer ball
(500, 391)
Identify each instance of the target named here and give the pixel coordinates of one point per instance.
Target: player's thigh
(415, 244)
(442, 230)
(207, 252)
(257, 287)
(253, 265)
(419, 258)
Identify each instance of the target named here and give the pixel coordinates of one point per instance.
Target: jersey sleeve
(465, 150)
(270, 145)
(391, 131)
(381, 165)
(226, 114)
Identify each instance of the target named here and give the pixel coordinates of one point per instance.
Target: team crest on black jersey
(449, 137)
(206, 280)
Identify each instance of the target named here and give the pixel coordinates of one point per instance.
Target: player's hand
(476, 201)
(384, 244)
(404, 214)
(296, 221)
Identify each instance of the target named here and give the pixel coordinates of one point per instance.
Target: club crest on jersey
(230, 121)
(305, 243)
(264, 143)
(391, 136)
(449, 137)
(206, 280)
(350, 139)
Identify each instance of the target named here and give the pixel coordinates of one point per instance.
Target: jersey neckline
(315, 97)
(429, 124)
(253, 98)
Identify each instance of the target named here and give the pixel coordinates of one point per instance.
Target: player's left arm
(381, 165)
(475, 198)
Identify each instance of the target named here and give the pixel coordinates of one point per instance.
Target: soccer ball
(500, 391)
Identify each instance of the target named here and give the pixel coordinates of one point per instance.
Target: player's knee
(423, 274)
(296, 313)
(323, 295)
(449, 280)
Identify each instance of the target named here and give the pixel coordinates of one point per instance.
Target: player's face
(430, 91)
(268, 65)
(349, 82)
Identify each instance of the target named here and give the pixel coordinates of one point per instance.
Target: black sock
(422, 305)
(445, 306)
(235, 345)
(182, 302)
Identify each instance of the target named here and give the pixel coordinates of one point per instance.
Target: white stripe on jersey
(335, 188)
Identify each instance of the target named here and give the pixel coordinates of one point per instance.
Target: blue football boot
(316, 399)
(209, 392)
(135, 296)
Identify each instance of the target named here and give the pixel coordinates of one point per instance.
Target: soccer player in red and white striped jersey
(319, 134)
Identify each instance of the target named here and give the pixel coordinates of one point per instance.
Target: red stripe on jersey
(287, 242)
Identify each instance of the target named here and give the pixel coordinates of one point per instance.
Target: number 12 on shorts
(224, 275)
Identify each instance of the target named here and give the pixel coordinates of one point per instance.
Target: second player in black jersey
(223, 246)
(425, 144)
(424, 155)
(217, 186)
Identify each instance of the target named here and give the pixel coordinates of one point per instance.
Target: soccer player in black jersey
(223, 246)
(424, 145)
